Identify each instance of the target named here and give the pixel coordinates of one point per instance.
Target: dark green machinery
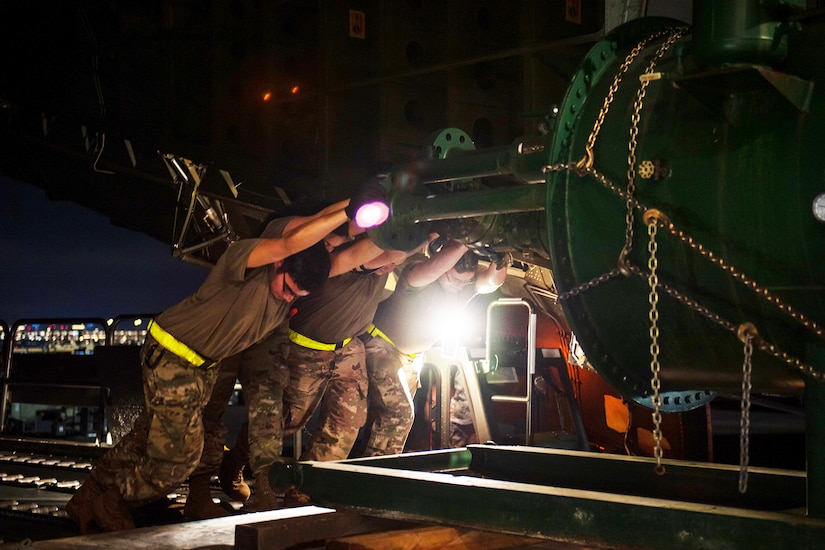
(723, 156)
(682, 194)
(682, 189)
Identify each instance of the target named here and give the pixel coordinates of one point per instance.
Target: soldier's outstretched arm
(427, 272)
(493, 277)
(300, 234)
(361, 252)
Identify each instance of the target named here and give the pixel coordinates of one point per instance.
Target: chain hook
(585, 164)
(623, 264)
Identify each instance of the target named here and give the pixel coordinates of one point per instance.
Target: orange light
(267, 96)
(294, 90)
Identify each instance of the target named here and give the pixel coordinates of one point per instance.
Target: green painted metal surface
(414, 203)
(736, 169)
(734, 155)
(558, 513)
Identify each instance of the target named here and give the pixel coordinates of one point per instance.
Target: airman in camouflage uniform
(243, 299)
(327, 361)
(393, 381)
(337, 380)
(334, 379)
(264, 375)
(407, 324)
(462, 427)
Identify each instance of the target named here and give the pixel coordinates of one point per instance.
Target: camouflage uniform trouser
(263, 374)
(165, 443)
(214, 428)
(335, 380)
(392, 385)
(462, 428)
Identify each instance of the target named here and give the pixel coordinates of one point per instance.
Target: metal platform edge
(554, 513)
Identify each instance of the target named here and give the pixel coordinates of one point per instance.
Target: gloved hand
(505, 261)
(437, 244)
(370, 193)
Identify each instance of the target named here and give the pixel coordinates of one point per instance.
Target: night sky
(60, 259)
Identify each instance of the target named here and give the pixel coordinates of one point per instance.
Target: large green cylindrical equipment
(722, 161)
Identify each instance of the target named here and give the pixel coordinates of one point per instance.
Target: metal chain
(747, 333)
(681, 298)
(596, 281)
(587, 161)
(587, 285)
(745, 280)
(633, 144)
(761, 345)
(628, 268)
(655, 367)
(585, 167)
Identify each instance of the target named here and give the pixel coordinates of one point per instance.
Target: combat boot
(199, 503)
(293, 498)
(231, 473)
(111, 513)
(79, 508)
(263, 498)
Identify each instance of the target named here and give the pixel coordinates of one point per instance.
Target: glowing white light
(418, 363)
(456, 327)
(371, 214)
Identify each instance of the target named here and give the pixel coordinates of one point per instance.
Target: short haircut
(309, 268)
(467, 262)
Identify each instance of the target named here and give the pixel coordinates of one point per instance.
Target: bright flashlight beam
(371, 214)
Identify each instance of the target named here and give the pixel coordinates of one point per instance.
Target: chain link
(747, 333)
(745, 280)
(655, 367)
(628, 268)
(761, 345)
(587, 161)
(632, 144)
(594, 282)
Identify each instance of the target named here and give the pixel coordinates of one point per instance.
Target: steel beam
(586, 516)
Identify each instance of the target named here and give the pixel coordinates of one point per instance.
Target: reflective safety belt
(307, 342)
(373, 330)
(178, 348)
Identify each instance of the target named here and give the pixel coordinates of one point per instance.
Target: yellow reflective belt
(307, 342)
(373, 330)
(177, 347)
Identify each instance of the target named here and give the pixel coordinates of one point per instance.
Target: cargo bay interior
(649, 376)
